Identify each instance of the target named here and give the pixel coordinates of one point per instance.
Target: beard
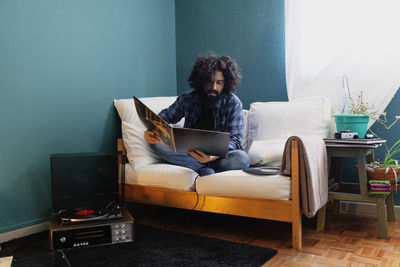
(211, 98)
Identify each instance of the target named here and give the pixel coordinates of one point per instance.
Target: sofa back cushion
(272, 123)
(138, 150)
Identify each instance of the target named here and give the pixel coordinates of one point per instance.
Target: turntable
(92, 232)
(85, 202)
(77, 215)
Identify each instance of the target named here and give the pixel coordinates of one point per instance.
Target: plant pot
(379, 174)
(354, 122)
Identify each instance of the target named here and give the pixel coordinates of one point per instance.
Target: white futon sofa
(268, 125)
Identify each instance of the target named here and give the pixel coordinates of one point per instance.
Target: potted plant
(354, 115)
(389, 168)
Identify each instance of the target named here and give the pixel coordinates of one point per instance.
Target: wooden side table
(363, 154)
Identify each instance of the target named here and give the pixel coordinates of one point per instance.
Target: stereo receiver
(93, 233)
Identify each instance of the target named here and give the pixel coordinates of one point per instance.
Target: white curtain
(327, 40)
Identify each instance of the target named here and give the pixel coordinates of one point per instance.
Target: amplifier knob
(63, 239)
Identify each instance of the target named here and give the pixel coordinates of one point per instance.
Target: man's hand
(201, 156)
(151, 137)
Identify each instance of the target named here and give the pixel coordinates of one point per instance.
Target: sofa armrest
(120, 146)
(295, 187)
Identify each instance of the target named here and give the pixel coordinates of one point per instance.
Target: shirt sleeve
(235, 124)
(173, 113)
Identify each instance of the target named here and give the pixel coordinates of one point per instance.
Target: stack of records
(379, 187)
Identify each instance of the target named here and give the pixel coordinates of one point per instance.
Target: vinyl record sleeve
(183, 140)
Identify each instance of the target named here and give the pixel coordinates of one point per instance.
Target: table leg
(390, 208)
(362, 173)
(382, 217)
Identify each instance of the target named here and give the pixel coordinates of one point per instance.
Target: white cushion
(267, 152)
(138, 151)
(238, 183)
(127, 111)
(161, 175)
(280, 120)
(234, 183)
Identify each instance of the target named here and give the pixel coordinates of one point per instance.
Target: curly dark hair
(204, 68)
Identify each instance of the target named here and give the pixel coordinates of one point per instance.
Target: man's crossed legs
(234, 160)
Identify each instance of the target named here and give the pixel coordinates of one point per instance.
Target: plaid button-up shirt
(228, 115)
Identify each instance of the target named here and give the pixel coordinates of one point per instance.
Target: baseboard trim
(37, 228)
(362, 208)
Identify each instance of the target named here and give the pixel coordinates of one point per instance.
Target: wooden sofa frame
(277, 210)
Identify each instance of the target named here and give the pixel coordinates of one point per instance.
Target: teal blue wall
(62, 62)
(250, 31)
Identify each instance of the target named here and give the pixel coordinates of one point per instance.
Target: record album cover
(183, 140)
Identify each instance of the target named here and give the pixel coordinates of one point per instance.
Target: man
(212, 105)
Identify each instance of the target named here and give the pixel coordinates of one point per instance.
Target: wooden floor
(349, 240)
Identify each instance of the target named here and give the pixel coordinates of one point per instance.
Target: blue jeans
(234, 160)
